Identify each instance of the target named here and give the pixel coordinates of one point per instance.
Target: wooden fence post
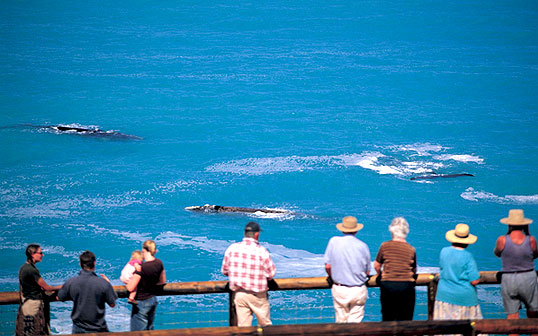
(432, 290)
(231, 310)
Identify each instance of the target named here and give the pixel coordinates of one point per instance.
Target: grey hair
(399, 227)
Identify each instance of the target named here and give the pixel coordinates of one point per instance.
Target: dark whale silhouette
(434, 176)
(88, 131)
(219, 208)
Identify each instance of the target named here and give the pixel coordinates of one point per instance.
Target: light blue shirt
(349, 259)
(458, 269)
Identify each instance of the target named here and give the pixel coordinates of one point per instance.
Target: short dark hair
(523, 228)
(87, 260)
(30, 250)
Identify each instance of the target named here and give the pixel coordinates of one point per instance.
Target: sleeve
(327, 257)
(224, 268)
(63, 293)
(380, 258)
(36, 275)
(269, 266)
(368, 260)
(111, 295)
(471, 270)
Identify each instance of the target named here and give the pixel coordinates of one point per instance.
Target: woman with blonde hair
(148, 283)
(396, 266)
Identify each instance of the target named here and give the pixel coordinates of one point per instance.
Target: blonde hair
(149, 245)
(136, 255)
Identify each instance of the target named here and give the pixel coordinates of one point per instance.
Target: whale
(435, 176)
(89, 131)
(222, 209)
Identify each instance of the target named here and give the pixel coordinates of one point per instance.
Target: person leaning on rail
(89, 293)
(347, 262)
(249, 267)
(517, 250)
(397, 279)
(456, 297)
(31, 319)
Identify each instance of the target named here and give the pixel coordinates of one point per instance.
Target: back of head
(30, 250)
(87, 260)
(149, 245)
(136, 255)
(399, 228)
(251, 229)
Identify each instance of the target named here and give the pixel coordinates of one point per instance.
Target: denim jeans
(143, 314)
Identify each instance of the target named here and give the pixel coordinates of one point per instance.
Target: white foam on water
(422, 149)
(460, 158)
(473, 195)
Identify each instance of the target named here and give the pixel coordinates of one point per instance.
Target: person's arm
(377, 267)
(46, 287)
(328, 269)
(534, 247)
(499, 246)
(133, 283)
(475, 282)
(162, 278)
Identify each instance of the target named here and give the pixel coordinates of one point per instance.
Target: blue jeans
(143, 314)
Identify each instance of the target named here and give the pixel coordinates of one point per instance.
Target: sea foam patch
(473, 195)
(402, 161)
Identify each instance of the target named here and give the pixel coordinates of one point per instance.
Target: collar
(249, 240)
(84, 272)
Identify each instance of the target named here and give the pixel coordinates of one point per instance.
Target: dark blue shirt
(89, 292)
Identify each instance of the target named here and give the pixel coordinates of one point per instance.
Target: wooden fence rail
(465, 327)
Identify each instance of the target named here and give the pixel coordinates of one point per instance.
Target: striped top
(399, 261)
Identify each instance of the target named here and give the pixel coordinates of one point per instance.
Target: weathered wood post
(231, 310)
(432, 290)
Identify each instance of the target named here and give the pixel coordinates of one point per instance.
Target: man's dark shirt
(28, 276)
(89, 293)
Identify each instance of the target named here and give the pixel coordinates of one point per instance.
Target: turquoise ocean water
(324, 108)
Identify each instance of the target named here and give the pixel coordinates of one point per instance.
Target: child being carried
(128, 271)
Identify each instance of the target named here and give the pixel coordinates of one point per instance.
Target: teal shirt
(458, 269)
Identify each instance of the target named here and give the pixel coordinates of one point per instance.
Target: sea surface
(322, 108)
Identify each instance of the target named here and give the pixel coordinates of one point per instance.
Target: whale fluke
(434, 176)
(220, 208)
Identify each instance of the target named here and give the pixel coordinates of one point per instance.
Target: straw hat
(461, 235)
(349, 224)
(516, 217)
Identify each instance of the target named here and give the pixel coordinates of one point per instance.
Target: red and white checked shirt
(248, 265)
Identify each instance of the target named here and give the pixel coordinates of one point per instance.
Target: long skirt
(448, 311)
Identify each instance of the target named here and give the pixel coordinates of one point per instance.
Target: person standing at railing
(249, 267)
(347, 262)
(31, 319)
(89, 293)
(148, 282)
(397, 279)
(456, 297)
(517, 250)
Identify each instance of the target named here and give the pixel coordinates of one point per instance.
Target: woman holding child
(147, 282)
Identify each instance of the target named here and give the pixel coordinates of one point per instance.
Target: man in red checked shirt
(249, 267)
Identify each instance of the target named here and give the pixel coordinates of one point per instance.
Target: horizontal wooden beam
(466, 327)
(211, 287)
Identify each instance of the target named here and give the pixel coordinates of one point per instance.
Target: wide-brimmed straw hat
(461, 235)
(516, 217)
(349, 224)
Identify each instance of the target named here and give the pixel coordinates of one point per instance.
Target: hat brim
(507, 221)
(451, 237)
(340, 226)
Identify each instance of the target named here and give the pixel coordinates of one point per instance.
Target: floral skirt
(448, 311)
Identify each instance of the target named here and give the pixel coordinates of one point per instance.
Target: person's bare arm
(133, 283)
(377, 267)
(534, 247)
(499, 246)
(46, 286)
(328, 269)
(162, 278)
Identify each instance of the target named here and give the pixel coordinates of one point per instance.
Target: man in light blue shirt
(347, 262)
